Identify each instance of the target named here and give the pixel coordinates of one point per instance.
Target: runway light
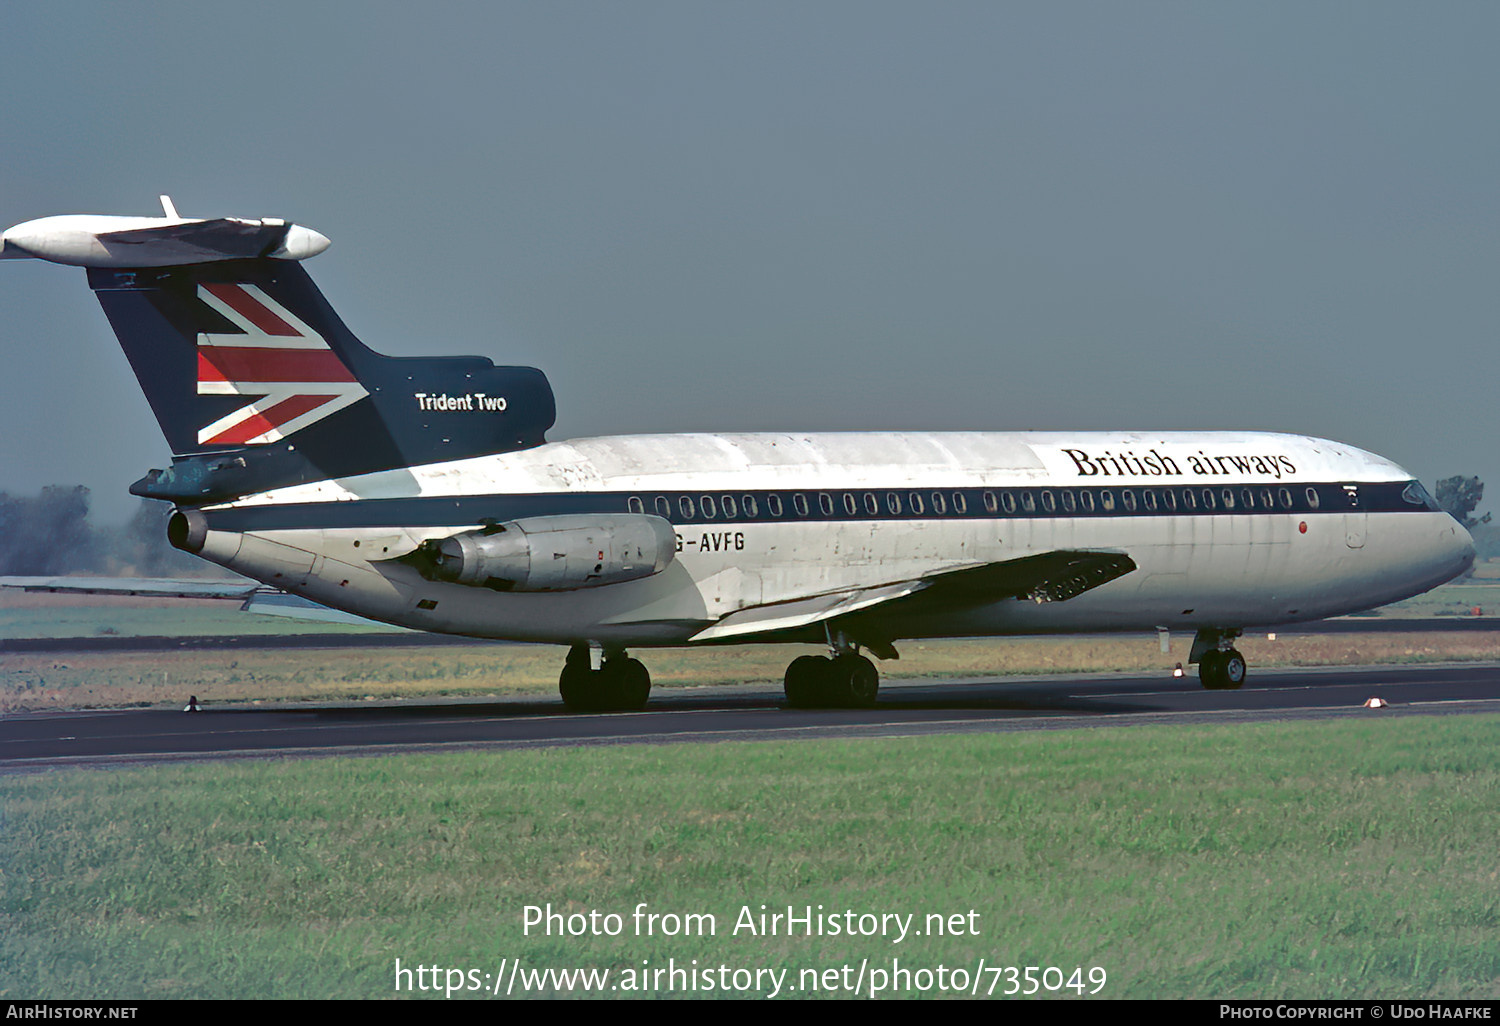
(192, 705)
(1177, 670)
(1376, 703)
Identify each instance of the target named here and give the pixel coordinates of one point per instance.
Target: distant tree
(1459, 495)
(48, 534)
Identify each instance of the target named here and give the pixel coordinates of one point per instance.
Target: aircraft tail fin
(257, 383)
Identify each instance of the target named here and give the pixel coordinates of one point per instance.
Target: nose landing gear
(1221, 667)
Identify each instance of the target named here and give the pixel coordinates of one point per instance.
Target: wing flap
(1046, 577)
(778, 616)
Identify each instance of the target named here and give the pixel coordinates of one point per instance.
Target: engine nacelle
(558, 553)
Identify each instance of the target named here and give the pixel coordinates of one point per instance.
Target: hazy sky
(812, 215)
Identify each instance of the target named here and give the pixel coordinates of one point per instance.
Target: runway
(32, 741)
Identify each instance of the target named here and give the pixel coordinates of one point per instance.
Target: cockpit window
(1417, 496)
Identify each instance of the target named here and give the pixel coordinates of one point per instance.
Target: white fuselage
(1225, 530)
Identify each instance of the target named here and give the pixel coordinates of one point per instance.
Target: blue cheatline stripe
(699, 508)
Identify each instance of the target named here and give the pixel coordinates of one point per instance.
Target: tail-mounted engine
(559, 553)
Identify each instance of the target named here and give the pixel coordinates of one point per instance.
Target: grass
(1457, 599)
(1333, 859)
(116, 679)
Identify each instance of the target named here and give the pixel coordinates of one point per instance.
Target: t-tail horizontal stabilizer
(104, 240)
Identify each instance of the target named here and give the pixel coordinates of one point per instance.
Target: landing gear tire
(853, 682)
(1222, 670)
(578, 689)
(804, 681)
(631, 684)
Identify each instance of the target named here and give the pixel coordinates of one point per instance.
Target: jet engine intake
(558, 553)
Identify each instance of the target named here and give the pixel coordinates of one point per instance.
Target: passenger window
(893, 503)
(709, 510)
(1266, 502)
(773, 503)
(1351, 492)
(1028, 502)
(1227, 495)
(799, 503)
(1189, 499)
(850, 506)
(990, 505)
(960, 504)
(1285, 495)
(915, 498)
(1168, 500)
(686, 505)
(1127, 499)
(1312, 498)
(752, 509)
(1148, 499)
(1008, 501)
(939, 506)
(726, 503)
(825, 503)
(635, 505)
(872, 506)
(1086, 501)
(1247, 498)
(1048, 502)
(663, 507)
(1107, 501)
(1068, 503)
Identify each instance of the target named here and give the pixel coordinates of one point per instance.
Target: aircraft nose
(1462, 547)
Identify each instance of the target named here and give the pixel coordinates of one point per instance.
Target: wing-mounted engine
(561, 553)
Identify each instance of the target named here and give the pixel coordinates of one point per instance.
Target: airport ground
(279, 660)
(1335, 857)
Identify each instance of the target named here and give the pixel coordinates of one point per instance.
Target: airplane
(423, 492)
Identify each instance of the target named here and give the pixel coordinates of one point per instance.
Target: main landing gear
(1220, 665)
(842, 680)
(620, 683)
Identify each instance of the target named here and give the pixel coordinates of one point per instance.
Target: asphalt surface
(32, 741)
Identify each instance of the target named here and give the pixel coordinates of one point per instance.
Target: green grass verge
(70, 680)
(1333, 859)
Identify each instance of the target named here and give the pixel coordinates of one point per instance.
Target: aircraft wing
(270, 602)
(253, 597)
(160, 587)
(1045, 577)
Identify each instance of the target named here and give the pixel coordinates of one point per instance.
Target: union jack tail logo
(296, 378)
